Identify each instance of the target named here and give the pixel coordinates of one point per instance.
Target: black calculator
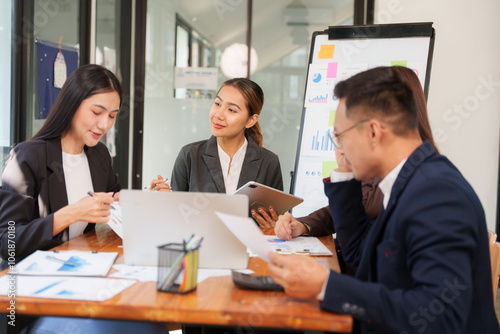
(252, 282)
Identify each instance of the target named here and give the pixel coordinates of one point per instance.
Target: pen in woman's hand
(90, 193)
(156, 185)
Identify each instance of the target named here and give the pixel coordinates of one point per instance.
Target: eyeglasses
(335, 136)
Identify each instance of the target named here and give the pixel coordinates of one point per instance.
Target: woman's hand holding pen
(93, 209)
(159, 184)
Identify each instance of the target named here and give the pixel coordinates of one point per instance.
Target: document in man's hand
(247, 232)
(66, 263)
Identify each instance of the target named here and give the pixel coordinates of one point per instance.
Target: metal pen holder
(177, 268)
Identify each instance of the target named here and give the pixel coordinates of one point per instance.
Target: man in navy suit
(424, 263)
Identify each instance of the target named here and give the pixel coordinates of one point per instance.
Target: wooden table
(216, 300)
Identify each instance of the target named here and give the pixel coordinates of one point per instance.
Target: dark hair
(380, 92)
(424, 128)
(84, 82)
(254, 97)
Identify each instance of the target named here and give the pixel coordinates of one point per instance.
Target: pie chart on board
(316, 77)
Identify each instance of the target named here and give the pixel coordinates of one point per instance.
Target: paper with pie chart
(319, 86)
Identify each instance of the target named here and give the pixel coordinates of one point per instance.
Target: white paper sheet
(248, 233)
(115, 219)
(75, 288)
(299, 245)
(66, 263)
(150, 274)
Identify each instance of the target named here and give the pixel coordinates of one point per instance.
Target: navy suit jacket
(424, 264)
(197, 168)
(38, 189)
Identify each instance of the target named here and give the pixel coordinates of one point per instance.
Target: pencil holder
(177, 268)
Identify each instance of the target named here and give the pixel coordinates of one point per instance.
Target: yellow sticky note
(327, 168)
(326, 51)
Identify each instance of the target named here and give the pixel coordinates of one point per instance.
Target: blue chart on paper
(33, 267)
(46, 287)
(319, 99)
(325, 144)
(275, 240)
(78, 262)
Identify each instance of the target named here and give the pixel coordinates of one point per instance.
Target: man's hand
(287, 227)
(300, 275)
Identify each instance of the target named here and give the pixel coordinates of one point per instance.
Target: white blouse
(231, 169)
(78, 184)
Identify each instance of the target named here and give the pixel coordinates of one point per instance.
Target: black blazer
(424, 264)
(30, 198)
(197, 168)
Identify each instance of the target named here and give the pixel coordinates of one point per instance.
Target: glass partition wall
(6, 68)
(213, 35)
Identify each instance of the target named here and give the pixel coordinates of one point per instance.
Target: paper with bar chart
(75, 288)
(317, 159)
(66, 263)
(320, 87)
(316, 131)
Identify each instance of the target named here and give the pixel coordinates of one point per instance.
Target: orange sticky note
(326, 51)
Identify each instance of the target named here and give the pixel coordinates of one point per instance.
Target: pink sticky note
(332, 70)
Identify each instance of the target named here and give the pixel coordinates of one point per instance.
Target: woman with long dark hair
(47, 179)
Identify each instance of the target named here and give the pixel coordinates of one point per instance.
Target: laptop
(151, 219)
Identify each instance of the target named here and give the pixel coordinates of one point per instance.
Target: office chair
(495, 262)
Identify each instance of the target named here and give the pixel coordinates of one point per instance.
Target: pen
(53, 258)
(90, 193)
(165, 181)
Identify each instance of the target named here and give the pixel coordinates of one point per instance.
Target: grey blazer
(31, 197)
(197, 168)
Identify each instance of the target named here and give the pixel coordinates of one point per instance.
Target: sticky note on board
(331, 119)
(328, 166)
(326, 51)
(403, 63)
(331, 72)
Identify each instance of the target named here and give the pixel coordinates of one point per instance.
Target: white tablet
(261, 196)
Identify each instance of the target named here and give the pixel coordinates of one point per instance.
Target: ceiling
(279, 26)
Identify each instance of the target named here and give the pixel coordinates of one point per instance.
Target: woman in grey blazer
(233, 155)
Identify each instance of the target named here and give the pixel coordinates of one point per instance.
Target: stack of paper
(66, 263)
(46, 274)
(115, 219)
